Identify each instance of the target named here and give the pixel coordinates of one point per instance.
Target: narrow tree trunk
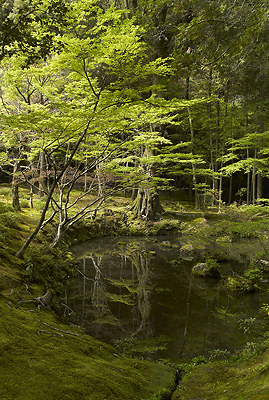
(193, 165)
(259, 186)
(15, 190)
(31, 196)
(42, 176)
(57, 179)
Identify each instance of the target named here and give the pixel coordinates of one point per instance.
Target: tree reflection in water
(139, 288)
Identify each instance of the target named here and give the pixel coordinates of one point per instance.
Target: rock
(187, 248)
(166, 243)
(206, 270)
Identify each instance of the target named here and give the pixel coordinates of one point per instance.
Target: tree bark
(42, 176)
(147, 205)
(15, 190)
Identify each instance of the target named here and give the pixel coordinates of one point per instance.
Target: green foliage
(49, 267)
(5, 208)
(198, 360)
(209, 269)
(30, 27)
(251, 350)
(255, 275)
(240, 283)
(246, 324)
(219, 355)
(262, 368)
(125, 345)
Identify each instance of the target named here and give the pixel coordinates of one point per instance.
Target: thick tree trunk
(147, 205)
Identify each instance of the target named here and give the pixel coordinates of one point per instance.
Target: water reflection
(145, 289)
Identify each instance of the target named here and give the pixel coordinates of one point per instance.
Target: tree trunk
(147, 205)
(57, 179)
(42, 176)
(259, 186)
(15, 190)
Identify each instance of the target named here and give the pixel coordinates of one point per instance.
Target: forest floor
(43, 357)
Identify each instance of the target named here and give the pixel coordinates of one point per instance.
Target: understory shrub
(49, 266)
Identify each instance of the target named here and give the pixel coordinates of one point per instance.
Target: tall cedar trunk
(216, 168)
(193, 166)
(259, 186)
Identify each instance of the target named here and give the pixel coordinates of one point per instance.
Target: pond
(141, 293)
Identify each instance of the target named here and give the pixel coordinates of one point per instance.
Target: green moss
(43, 358)
(240, 284)
(225, 381)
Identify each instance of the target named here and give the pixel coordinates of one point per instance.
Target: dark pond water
(143, 288)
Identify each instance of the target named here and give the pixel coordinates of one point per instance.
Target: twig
(50, 333)
(17, 280)
(84, 276)
(61, 330)
(69, 308)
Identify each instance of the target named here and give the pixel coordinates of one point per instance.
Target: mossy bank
(43, 357)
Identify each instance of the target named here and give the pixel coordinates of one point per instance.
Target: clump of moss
(208, 269)
(240, 284)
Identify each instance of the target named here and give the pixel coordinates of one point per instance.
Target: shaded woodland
(139, 97)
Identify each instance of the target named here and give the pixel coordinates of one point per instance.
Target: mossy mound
(226, 381)
(42, 358)
(208, 269)
(240, 284)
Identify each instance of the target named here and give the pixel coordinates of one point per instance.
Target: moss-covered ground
(41, 357)
(241, 380)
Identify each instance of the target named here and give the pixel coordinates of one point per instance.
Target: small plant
(219, 355)
(199, 360)
(24, 203)
(4, 208)
(240, 284)
(262, 367)
(246, 324)
(125, 345)
(50, 266)
(250, 350)
(209, 269)
(255, 275)
(265, 308)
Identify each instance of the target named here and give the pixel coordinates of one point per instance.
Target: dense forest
(134, 96)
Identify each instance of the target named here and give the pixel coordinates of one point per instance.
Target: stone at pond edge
(206, 270)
